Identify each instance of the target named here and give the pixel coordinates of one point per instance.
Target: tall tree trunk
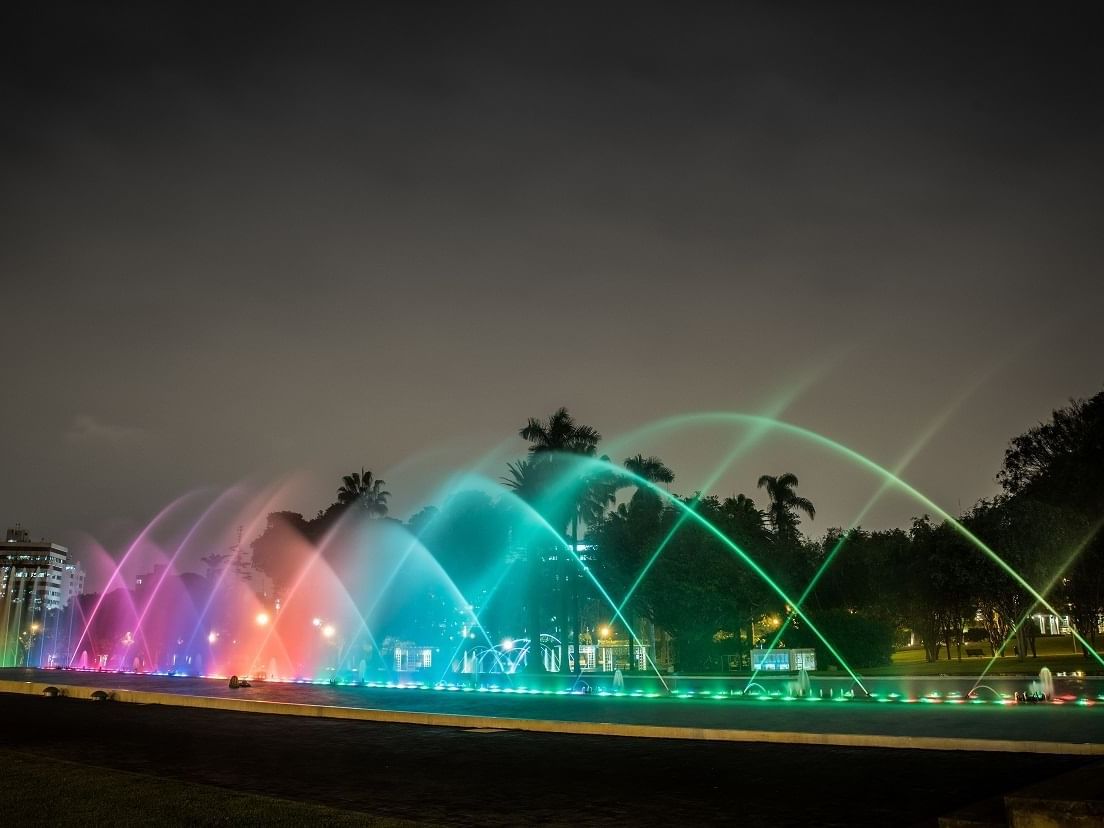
(566, 570)
(1085, 624)
(535, 665)
(575, 638)
(750, 642)
(573, 578)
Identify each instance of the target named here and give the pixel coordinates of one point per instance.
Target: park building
(37, 580)
(783, 659)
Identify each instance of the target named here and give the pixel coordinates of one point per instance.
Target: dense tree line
(609, 523)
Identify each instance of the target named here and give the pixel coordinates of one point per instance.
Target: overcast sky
(241, 244)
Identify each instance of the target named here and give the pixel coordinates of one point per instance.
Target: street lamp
(329, 632)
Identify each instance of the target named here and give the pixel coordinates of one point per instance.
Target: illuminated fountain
(378, 603)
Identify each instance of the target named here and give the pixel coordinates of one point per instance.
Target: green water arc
(610, 468)
(862, 461)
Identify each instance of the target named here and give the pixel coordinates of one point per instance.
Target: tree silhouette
(526, 479)
(561, 435)
(361, 488)
(785, 503)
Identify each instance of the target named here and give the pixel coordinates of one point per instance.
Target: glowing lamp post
(328, 632)
(604, 649)
(27, 639)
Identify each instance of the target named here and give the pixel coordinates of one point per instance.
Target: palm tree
(560, 434)
(597, 492)
(744, 521)
(360, 487)
(651, 469)
(645, 507)
(525, 478)
(742, 510)
(785, 503)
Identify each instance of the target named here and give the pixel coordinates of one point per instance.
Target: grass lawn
(1055, 652)
(83, 795)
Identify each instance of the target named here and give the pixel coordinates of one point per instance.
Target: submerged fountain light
(692, 695)
(262, 619)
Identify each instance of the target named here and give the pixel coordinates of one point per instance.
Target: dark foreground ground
(1057, 723)
(380, 772)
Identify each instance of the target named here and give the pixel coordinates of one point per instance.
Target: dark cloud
(87, 430)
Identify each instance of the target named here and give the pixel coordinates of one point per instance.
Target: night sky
(241, 244)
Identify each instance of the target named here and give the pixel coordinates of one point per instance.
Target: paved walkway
(1066, 728)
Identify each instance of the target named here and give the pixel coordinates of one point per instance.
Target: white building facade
(37, 580)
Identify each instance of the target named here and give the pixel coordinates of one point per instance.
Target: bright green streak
(800, 601)
(739, 449)
(929, 432)
(741, 446)
(1049, 586)
(598, 584)
(865, 462)
(490, 596)
(735, 548)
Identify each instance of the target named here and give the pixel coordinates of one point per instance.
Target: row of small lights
(931, 698)
(329, 631)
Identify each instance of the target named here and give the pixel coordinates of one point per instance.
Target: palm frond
(805, 505)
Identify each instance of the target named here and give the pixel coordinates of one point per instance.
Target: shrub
(864, 640)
